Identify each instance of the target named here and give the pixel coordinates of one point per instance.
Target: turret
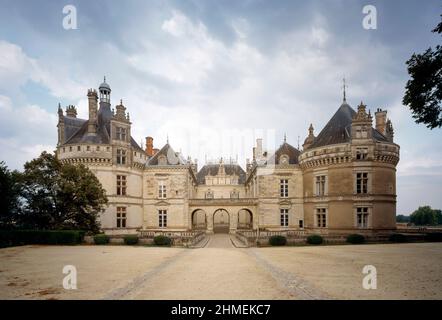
(60, 125)
(310, 138)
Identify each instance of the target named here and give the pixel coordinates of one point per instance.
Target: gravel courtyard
(222, 271)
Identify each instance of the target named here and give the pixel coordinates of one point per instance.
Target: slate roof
(338, 129)
(288, 150)
(173, 158)
(76, 129)
(212, 169)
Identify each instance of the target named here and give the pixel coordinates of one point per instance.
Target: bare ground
(222, 271)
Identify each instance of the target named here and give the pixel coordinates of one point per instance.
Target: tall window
(301, 224)
(321, 217)
(162, 218)
(121, 217)
(121, 156)
(162, 190)
(362, 217)
(121, 185)
(362, 182)
(284, 217)
(284, 188)
(121, 134)
(320, 185)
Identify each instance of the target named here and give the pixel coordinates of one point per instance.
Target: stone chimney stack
(258, 149)
(149, 146)
(93, 98)
(381, 120)
(71, 111)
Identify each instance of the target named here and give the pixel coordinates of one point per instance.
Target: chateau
(342, 181)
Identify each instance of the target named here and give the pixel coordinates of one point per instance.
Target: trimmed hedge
(277, 241)
(101, 239)
(434, 237)
(131, 239)
(315, 239)
(355, 238)
(10, 238)
(397, 237)
(162, 241)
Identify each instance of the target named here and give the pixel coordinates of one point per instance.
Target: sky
(212, 76)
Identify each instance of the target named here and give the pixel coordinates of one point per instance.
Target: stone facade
(343, 181)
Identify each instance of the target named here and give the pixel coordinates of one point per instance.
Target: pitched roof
(338, 129)
(212, 169)
(288, 150)
(76, 129)
(172, 157)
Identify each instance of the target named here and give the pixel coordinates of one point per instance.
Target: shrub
(101, 239)
(277, 241)
(131, 239)
(315, 239)
(23, 237)
(162, 241)
(397, 237)
(355, 238)
(434, 237)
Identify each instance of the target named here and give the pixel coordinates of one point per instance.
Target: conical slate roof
(338, 128)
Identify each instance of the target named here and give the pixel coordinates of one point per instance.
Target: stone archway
(221, 221)
(245, 219)
(199, 220)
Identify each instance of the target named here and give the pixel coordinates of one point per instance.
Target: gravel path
(220, 270)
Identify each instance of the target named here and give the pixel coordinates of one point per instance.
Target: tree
(60, 196)
(424, 216)
(423, 92)
(401, 218)
(10, 189)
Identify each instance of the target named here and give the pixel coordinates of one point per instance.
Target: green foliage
(277, 241)
(402, 219)
(433, 237)
(130, 239)
(162, 240)
(423, 92)
(315, 239)
(101, 239)
(397, 237)
(60, 196)
(355, 238)
(10, 189)
(24, 237)
(425, 216)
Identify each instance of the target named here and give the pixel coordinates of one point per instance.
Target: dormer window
(162, 160)
(284, 159)
(361, 153)
(120, 134)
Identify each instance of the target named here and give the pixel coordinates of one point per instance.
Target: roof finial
(104, 79)
(285, 137)
(298, 141)
(344, 86)
(167, 138)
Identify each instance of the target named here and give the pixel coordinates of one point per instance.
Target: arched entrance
(221, 221)
(245, 219)
(199, 220)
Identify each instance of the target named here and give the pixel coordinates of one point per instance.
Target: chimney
(92, 97)
(71, 111)
(149, 146)
(258, 149)
(381, 120)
